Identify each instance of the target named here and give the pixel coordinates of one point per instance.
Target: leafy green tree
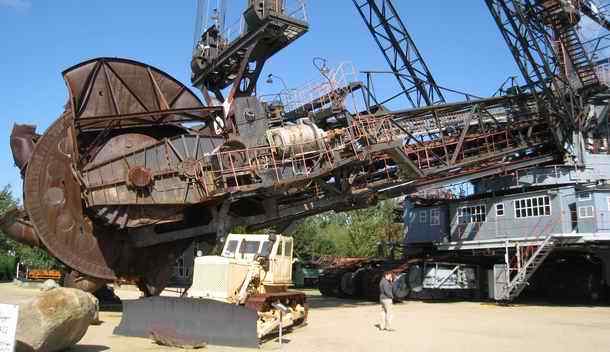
(6, 201)
(352, 234)
(309, 241)
(369, 227)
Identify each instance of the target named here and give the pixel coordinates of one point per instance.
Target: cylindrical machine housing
(302, 137)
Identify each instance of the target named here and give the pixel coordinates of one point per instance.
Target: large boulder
(55, 320)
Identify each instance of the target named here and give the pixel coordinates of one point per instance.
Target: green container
(297, 275)
(311, 273)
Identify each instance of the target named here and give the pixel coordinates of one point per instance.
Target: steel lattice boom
(531, 48)
(401, 53)
(542, 38)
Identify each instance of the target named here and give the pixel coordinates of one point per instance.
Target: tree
(353, 234)
(363, 233)
(368, 227)
(6, 201)
(309, 243)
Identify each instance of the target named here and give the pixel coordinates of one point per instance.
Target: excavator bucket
(189, 321)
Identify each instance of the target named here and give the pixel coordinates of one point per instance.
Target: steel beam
(401, 53)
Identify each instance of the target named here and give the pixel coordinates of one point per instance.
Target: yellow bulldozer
(238, 298)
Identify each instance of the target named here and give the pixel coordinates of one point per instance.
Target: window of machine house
(500, 209)
(584, 196)
(532, 207)
(435, 217)
(472, 214)
(585, 212)
(280, 249)
(423, 216)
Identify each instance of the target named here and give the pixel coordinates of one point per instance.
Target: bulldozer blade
(192, 321)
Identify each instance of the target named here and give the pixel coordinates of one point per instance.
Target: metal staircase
(580, 60)
(563, 19)
(516, 285)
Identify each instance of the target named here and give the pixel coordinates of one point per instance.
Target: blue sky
(41, 38)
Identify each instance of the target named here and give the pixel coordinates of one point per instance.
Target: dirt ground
(342, 325)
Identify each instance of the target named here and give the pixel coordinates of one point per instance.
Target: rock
(173, 339)
(55, 320)
(49, 285)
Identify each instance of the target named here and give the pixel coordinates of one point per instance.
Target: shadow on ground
(111, 307)
(321, 302)
(88, 348)
(526, 302)
(318, 301)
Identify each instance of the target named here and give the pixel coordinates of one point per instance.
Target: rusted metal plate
(171, 171)
(121, 145)
(123, 93)
(53, 201)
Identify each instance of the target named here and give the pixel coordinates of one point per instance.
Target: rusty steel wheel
(53, 201)
(115, 107)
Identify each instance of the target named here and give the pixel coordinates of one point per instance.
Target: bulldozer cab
(245, 247)
(277, 249)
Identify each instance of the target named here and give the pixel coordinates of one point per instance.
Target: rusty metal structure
(137, 167)
(402, 56)
(565, 84)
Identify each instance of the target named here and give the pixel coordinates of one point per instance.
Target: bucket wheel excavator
(137, 167)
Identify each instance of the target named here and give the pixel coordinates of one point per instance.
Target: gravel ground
(342, 325)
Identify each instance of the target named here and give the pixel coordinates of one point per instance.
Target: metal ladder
(581, 62)
(572, 44)
(521, 280)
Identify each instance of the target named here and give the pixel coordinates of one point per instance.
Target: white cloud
(21, 5)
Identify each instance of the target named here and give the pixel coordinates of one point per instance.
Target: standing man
(386, 297)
